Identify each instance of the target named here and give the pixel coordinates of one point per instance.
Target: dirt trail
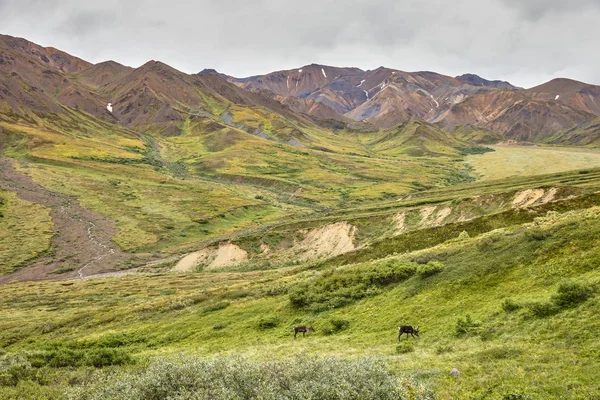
(82, 238)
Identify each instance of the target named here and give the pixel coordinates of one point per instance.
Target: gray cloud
(525, 42)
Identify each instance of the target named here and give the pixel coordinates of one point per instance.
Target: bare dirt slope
(82, 237)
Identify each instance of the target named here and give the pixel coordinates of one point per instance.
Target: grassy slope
(170, 194)
(25, 231)
(219, 313)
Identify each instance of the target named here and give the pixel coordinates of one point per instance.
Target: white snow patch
(360, 84)
(296, 84)
(382, 85)
(288, 82)
(323, 71)
(393, 72)
(557, 96)
(366, 93)
(300, 70)
(109, 107)
(435, 101)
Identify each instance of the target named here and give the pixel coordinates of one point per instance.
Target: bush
(13, 368)
(62, 357)
(218, 327)
(430, 269)
(542, 309)
(216, 306)
(537, 234)
(335, 325)
(466, 326)
(405, 347)
(463, 235)
(571, 294)
(509, 305)
(237, 378)
(337, 288)
(268, 323)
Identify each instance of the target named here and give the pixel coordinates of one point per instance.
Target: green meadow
(492, 251)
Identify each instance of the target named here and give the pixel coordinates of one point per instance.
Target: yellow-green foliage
(25, 231)
(508, 161)
(166, 314)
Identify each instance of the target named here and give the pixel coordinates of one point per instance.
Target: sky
(526, 42)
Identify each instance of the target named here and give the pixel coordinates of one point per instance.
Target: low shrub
(335, 325)
(268, 323)
(216, 306)
(337, 288)
(568, 295)
(463, 235)
(542, 309)
(218, 327)
(237, 378)
(13, 368)
(509, 305)
(466, 326)
(537, 234)
(63, 357)
(571, 294)
(430, 269)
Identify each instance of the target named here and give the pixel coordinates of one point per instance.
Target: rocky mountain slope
(386, 97)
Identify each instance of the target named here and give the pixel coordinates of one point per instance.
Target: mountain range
(158, 96)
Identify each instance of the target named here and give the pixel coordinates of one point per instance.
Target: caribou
(409, 330)
(303, 329)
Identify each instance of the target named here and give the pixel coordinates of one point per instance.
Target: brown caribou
(303, 329)
(409, 330)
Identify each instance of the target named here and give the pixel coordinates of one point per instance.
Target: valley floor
(511, 161)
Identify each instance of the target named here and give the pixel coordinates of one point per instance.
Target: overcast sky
(526, 42)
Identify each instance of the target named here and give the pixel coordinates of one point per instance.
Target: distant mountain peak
(209, 71)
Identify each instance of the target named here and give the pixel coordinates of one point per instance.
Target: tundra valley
(162, 234)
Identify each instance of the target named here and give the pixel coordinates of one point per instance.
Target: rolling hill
(162, 233)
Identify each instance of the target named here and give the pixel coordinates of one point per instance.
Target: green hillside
(499, 306)
(163, 233)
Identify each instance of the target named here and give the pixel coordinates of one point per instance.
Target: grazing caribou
(409, 330)
(302, 329)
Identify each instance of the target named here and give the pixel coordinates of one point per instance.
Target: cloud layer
(525, 42)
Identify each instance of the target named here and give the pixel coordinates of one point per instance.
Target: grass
(498, 353)
(500, 293)
(25, 231)
(508, 161)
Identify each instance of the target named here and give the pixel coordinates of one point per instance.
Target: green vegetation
(500, 275)
(25, 232)
(299, 378)
(483, 312)
(508, 161)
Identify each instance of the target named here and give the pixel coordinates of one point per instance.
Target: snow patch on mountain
(360, 84)
(323, 71)
(109, 107)
(437, 105)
